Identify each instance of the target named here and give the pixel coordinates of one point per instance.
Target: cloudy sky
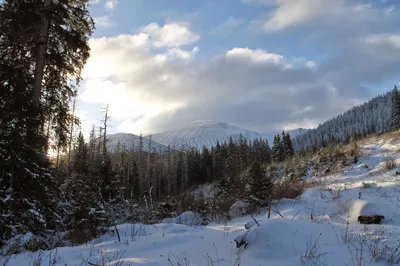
(258, 64)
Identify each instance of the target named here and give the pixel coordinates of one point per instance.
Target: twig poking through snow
(255, 220)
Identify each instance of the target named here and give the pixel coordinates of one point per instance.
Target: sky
(263, 65)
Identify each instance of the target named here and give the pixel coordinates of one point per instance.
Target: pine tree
(287, 146)
(395, 114)
(277, 151)
(37, 39)
(219, 157)
(81, 156)
(261, 184)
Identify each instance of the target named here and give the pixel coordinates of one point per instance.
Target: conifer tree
(287, 146)
(395, 114)
(261, 184)
(37, 39)
(81, 156)
(277, 150)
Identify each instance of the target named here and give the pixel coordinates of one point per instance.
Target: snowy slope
(207, 133)
(132, 141)
(312, 232)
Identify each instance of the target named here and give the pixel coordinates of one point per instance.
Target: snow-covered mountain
(208, 133)
(132, 141)
(202, 133)
(293, 133)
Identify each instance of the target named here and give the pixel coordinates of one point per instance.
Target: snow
(133, 141)
(186, 218)
(318, 229)
(208, 133)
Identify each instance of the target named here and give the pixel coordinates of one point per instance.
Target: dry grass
(390, 163)
(290, 189)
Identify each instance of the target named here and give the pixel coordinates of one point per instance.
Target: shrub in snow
(238, 209)
(186, 218)
(390, 163)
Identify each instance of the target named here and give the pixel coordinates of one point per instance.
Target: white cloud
(227, 26)
(290, 13)
(111, 4)
(153, 82)
(389, 10)
(257, 55)
(385, 39)
(170, 35)
(103, 22)
(182, 54)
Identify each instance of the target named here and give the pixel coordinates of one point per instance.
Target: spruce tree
(287, 146)
(277, 149)
(395, 114)
(81, 156)
(37, 39)
(261, 184)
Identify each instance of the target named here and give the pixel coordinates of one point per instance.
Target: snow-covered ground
(318, 229)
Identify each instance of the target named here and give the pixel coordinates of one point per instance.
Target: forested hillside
(373, 116)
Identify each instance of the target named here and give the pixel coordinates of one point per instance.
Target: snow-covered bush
(390, 163)
(239, 208)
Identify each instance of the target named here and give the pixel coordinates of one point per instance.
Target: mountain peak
(208, 123)
(203, 133)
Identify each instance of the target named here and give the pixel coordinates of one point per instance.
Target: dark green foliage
(28, 190)
(261, 184)
(287, 145)
(395, 114)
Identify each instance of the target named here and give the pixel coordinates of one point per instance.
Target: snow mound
(365, 208)
(186, 218)
(238, 209)
(281, 239)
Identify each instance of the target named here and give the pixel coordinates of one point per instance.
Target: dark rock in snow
(375, 219)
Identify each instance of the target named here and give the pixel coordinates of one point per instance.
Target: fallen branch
(296, 214)
(119, 237)
(277, 212)
(255, 220)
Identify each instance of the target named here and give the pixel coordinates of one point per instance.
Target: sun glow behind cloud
(156, 77)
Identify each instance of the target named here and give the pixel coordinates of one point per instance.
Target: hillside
(368, 118)
(313, 229)
(132, 141)
(208, 133)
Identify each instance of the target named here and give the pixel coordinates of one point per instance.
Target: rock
(375, 219)
(238, 209)
(327, 171)
(364, 208)
(240, 240)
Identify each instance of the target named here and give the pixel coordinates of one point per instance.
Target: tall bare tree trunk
(71, 132)
(106, 117)
(40, 53)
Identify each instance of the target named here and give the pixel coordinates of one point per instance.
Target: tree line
(134, 172)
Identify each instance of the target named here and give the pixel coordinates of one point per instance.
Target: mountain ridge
(208, 133)
(195, 135)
